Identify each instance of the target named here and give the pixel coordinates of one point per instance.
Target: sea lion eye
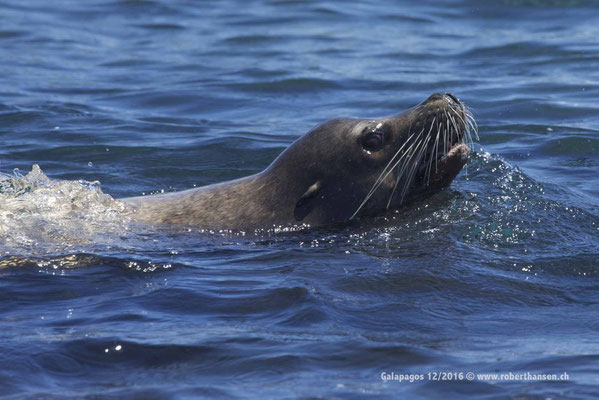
(373, 140)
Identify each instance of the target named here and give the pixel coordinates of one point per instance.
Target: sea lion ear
(306, 202)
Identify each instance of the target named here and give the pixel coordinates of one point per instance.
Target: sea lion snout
(443, 96)
(452, 97)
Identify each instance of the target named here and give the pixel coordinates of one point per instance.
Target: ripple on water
(496, 274)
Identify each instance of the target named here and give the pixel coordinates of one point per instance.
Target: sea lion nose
(442, 96)
(452, 97)
(434, 97)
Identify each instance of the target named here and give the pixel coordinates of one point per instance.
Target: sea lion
(342, 169)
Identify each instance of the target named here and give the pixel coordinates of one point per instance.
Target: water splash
(40, 215)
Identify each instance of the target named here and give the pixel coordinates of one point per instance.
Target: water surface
(113, 99)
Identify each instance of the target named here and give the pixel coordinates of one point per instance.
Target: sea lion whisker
(436, 155)
(451, 118)
(446, 143)
(470, 115)
(469, 137)
(409, 161)
(432, 155)
(398, 152)
(408, 155)
(448, 131)
(472, 123)
(438, 119)
(378, 183)
(466, 126)
(467, 130)
(386, 171)
(413, 169)
(400, 172)
(465, 134)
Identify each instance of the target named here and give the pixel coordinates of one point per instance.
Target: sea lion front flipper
(306, 202)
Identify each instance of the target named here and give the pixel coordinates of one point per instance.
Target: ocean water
(107, 99)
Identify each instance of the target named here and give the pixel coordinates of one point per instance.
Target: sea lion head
(346, 168)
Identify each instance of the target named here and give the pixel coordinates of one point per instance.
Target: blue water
(498, 274)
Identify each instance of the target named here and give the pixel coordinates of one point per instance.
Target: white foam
(40, 215)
